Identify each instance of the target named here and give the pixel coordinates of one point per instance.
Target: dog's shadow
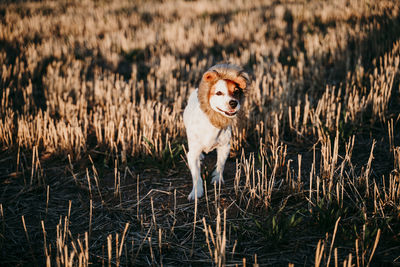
(208, 165)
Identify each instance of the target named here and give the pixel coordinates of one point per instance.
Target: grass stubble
(92, 163)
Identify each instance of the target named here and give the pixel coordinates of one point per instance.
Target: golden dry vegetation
(92, 160)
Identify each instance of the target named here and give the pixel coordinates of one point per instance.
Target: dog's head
(221, 92)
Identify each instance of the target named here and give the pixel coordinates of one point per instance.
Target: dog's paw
(217, 178)
(192, 195)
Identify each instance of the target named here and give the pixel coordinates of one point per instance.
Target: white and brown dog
(208, 117)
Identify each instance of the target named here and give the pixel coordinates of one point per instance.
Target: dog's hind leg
(223, 153)
(194, 157)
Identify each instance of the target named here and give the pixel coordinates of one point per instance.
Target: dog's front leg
(223, 153)
(194, 157)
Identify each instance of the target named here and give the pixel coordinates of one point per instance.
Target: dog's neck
(217, 119)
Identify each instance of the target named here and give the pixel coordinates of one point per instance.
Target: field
(92, 143)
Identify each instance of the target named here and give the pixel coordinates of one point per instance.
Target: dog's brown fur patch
(224, 71)
(234, 89)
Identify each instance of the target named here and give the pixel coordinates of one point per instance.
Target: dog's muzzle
(228, 113)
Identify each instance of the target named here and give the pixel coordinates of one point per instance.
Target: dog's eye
(237, 92)
(219, 93)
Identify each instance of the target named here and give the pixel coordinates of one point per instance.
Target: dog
(208, 119)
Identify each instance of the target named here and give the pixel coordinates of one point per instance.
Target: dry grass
(93, 160)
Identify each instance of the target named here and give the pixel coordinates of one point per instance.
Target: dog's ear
(242, 80)
(210, 76)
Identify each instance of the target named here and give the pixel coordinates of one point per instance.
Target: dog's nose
(233, 103)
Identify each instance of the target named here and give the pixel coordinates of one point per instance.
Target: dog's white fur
(203, 133)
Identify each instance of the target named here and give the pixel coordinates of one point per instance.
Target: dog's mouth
(228, 113)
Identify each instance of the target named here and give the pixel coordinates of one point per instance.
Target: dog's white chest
(220, 137)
